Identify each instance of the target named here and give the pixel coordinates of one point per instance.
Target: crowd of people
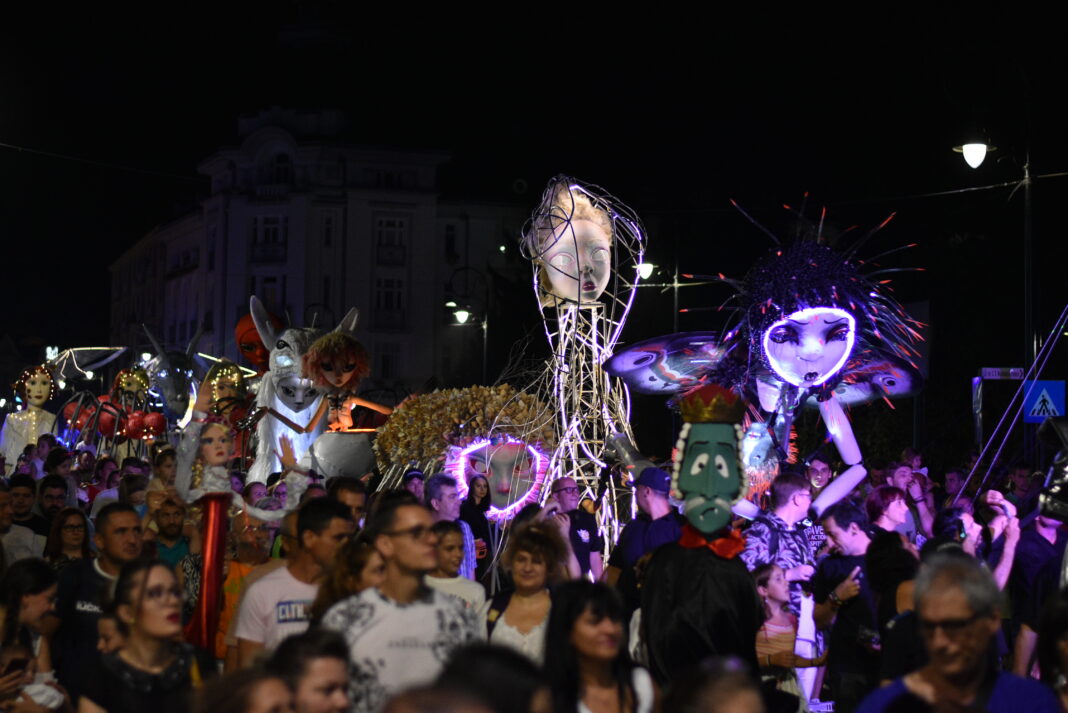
(913, 593)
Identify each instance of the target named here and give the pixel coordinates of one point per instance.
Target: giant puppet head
(809, 312)
(172, 375)
(491, 432)
(130, 386)
(249, 343)
(36, 385)
(287, 350)
(579, 239)
(708, 474)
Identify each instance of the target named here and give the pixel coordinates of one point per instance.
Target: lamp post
(462, 311)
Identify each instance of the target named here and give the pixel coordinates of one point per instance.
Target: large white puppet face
(809, 346)
(578, 263)
(38, 388)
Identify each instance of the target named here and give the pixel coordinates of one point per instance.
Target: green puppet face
(708, 475)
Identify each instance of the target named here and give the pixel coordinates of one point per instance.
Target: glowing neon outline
(456, 462)
(804, 314)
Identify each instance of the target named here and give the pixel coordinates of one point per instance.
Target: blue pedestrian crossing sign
(1043, 399)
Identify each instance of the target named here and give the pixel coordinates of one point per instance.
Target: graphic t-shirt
(396, 646)
(83, 592)
(585, 538)
(275, 607)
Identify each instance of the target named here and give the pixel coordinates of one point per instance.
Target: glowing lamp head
(462, 315)
(974, 154)
(645, 269)
(809, 346)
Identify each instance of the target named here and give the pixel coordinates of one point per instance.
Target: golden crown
(712, 403)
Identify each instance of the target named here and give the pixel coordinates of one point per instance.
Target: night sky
(674, 117)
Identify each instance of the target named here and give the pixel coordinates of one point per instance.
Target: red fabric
(728, 546)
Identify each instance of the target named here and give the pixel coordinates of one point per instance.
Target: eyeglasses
(416, 533)
(952, 628)
(572, 489)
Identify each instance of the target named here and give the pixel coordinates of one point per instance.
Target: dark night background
(860, 111)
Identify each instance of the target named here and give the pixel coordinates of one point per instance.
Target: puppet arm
(302, 429)
(841, 431)
(371, 405)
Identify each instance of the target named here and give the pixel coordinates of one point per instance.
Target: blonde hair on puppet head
(226, 370)
(567, 203)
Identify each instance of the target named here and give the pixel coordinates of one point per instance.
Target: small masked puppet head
(249, 342)
(570, 239)
(336, 362)
(216, 443)
(130, 384)
(228, 386)
(36, 385)
(708, 474)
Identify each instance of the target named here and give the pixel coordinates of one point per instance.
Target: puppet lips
(812, 376)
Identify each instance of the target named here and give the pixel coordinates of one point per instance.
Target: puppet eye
(348, 368)
(699, 464)
(327, 366)
(838, 334)
(783, 334)
(721, 466)
(562, 261)
(282, 344)
(600, 255)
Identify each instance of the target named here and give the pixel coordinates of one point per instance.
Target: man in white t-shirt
(445, 577)
(276, 606)
(400, 634)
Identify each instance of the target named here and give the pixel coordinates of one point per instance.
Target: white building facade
(313, 226)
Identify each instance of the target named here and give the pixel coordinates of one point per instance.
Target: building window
(269, 235)
(391, 240)
(328, 230)
(282, 169)
(390, 303)
(388, 357)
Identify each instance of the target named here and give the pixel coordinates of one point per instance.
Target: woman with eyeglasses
(68, 540)
(153, 671)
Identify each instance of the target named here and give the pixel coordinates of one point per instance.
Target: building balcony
(272, 190)
(267, 253)
(390, 319)
(391, 255)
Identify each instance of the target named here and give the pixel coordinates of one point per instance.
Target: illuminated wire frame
(457, 463)
(583, 332)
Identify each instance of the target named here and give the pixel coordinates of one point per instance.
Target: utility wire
(103, 164)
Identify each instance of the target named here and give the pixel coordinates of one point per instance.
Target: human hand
(287, 456)
(203, 402)
(850, 586)
(995, 499)
(1012, 530)
(480, 548)
(12, 683)
(800, 573)
(563, 524)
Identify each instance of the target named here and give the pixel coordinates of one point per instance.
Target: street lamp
(975, 152)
